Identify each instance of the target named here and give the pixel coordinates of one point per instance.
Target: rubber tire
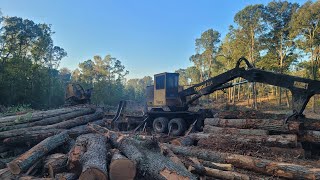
(164, 125)
(181, 124)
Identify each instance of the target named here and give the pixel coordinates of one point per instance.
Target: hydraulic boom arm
(302, 89)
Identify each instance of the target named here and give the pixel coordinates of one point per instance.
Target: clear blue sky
(148, 36)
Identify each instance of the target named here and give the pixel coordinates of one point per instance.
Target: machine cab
(166, 86)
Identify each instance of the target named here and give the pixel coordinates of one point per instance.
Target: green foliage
(205, 57)
(28, 63)
(106, 77)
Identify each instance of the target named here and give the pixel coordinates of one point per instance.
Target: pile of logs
(256, 144)
(75, 143)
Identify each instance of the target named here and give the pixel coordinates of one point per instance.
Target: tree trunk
(286, 140)
(4, 148)
(31, 117)
(30, 138)
(309, 124)
(266, 124)
(90, 153)
(168, 153)
(49, 121)
(6, 174)
(225, 174)
(310, 136)
(62, 125)
(234, 131)
(285, 170)
(184, 141)
(55, 163)
(66, 176)
(23, 162)
(121, 167)
(34, 137)
(287, 98)
(145, 154)
(220, 166)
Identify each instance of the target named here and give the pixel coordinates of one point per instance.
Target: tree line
(281, 36)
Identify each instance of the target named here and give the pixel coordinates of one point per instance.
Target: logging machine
(75, 94)
(167, 103)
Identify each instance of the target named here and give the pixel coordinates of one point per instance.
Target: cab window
(160, 82)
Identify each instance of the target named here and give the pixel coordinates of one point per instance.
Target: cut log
(229, 175)
(146, 154)
(6, 174)
(234, 131)
(285, 140)
(184, 141)
(35, 116)
(198, 168)
(33, 178)
(66, 176)
(220, 166)
(310, 136)
(51, 120)
(250, 114)
(55, 163)
(23, 162)
(34, 137)
(62, 125)
(168, 153)
(90, 153)
(266, 124)
(121, 167)
(225, 143)
(280, 169)
(311, 124)
(4, 148)
(31, 138)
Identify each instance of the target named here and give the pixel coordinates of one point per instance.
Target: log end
(93, 174)
(122, 169)
(14, 167)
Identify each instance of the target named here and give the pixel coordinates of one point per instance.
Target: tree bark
(62, 125)
(90, 153)
(265, 124)
(286, 140)
(310, 136)
(23, 162)
(4, 148)
(66, 176)
(50, 120)
(285, 170)
(220, 166)
(311, 124)
(229, 175)
(34, 137)
(146, 154)
(30, 138)
(31, 117)
(6, 174)
(184, 141)
(168, 153)
(121, 167)
(234, 131)
(55, 163)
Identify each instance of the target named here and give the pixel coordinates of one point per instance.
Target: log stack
(75, 143)
(256, 144)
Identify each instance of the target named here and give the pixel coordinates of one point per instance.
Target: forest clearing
(242, 104)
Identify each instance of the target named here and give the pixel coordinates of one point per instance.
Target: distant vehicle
(75, 94)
